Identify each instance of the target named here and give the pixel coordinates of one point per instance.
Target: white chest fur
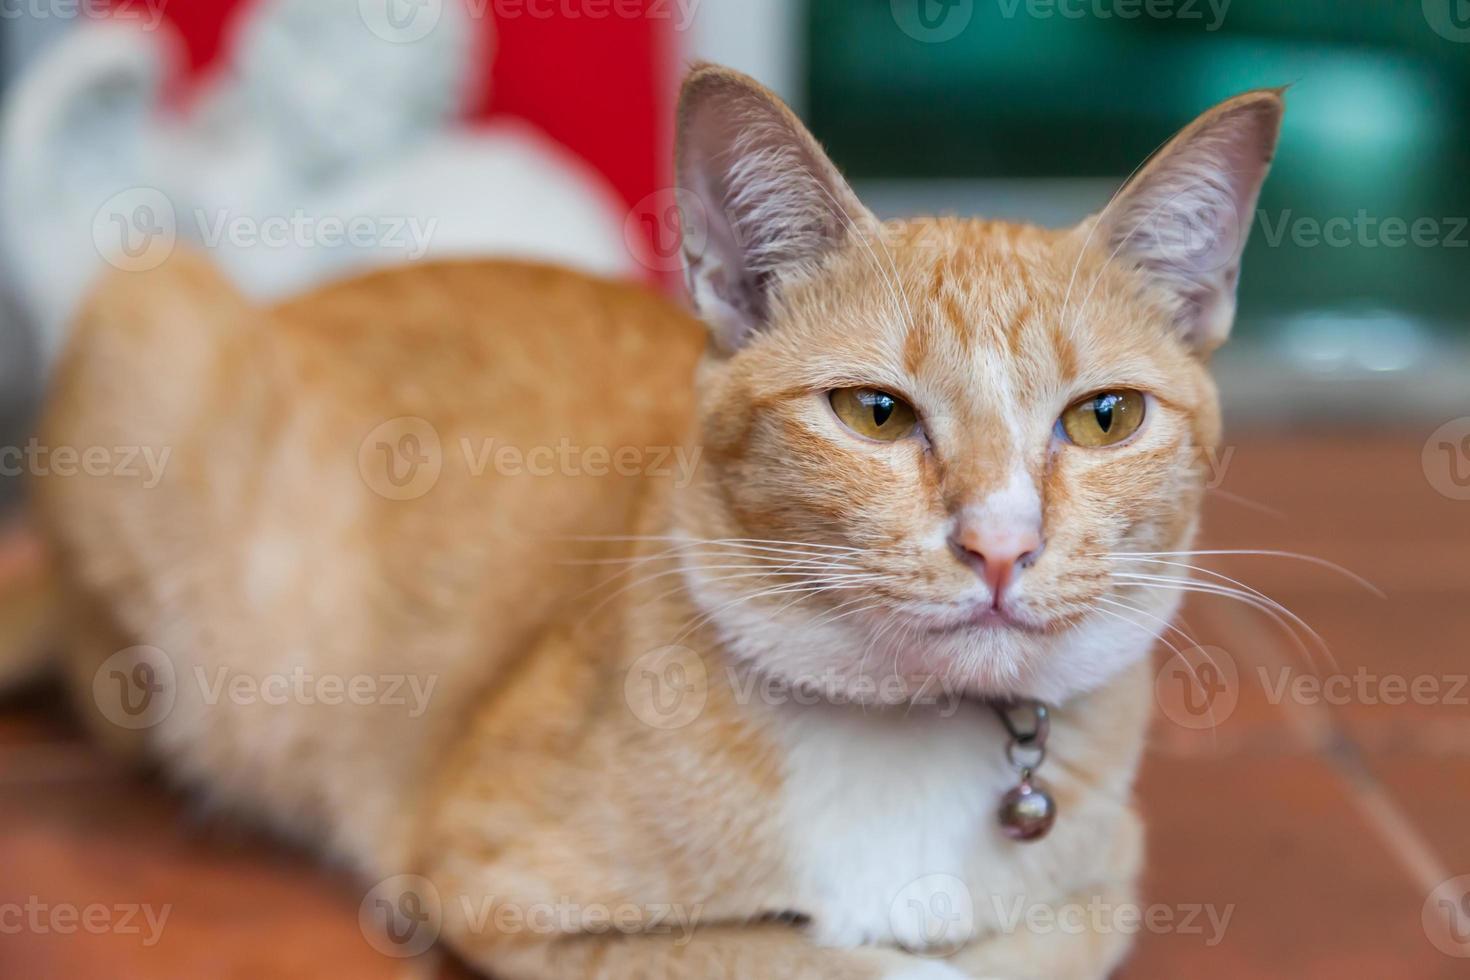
(889, 817)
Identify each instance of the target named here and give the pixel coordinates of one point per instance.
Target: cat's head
(946, 431)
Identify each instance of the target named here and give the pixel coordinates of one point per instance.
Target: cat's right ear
(767, 201)
(1185, 217)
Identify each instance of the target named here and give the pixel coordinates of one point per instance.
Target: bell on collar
(1028, 811)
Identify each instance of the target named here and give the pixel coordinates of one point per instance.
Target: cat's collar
(1028, 811)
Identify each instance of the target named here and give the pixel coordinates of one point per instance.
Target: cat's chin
(1053, 661)
(886, 660)
(893, 653)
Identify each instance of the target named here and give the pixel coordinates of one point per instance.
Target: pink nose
(997, 552)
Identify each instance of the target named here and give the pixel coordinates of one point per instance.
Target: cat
(727, 717)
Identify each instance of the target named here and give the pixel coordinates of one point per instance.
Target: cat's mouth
(981, 616)
(997, 617)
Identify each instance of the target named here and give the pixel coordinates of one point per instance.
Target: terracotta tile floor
(1318, 821)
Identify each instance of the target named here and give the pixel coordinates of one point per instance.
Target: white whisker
(1253, 552)
(1193, 674)
(1266, 605)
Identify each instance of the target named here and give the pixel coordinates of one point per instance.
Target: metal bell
(1027, 812)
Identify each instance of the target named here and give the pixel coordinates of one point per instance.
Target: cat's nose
(997, 552)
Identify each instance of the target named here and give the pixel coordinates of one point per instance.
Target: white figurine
(322, 146)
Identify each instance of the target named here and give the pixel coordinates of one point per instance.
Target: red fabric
(202, 24)
(602, 86)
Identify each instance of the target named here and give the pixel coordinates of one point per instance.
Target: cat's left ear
(1185, 218)
(764, 204)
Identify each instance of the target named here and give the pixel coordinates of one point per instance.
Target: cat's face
(946, 432)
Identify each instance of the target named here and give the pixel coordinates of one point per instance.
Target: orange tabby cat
(622, 654)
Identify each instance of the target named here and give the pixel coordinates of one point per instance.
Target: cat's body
(647, 745)
(267, 544)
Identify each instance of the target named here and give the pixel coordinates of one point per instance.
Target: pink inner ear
(773, 202)
(1187, 217)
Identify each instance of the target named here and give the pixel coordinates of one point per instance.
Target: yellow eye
(874, 414)
(1104, 419)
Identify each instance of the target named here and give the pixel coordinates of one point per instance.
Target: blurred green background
(1360, 251)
